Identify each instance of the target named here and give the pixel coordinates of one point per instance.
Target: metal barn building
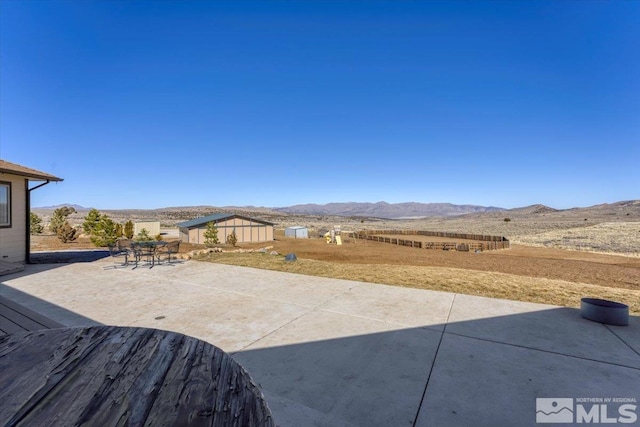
(247, 229)
(297, 232)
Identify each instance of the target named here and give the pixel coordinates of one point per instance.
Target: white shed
(297, 232)
(152, 227)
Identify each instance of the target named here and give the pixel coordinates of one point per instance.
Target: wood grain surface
(18, 318)
(114, 376)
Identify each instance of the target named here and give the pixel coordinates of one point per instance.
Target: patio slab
(629, 334)
(344, 367)
(339, 353)
(10, 267)
(402, 306)
(294, 414)
(481, 383)
(538, 326)
(293, 288)
(229, 321)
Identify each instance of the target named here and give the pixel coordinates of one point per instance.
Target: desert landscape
(556, 256)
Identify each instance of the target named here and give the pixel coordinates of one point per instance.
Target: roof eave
(201, 223)
(33, 177)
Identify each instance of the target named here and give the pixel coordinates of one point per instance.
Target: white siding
(13, 239)
(296, 232)
(152, 227)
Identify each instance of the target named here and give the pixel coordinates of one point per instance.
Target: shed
(297, 232)
(247, 229)
(152, 228)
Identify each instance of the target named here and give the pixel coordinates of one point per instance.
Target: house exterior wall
(13, 244)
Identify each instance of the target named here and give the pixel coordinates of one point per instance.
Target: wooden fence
(482, 242)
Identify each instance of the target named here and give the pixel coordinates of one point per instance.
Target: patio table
(107, 376)
(146, 249)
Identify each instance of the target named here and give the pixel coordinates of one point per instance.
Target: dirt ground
(583, 267)
(420, 238)
(49, 242)
(573, 266)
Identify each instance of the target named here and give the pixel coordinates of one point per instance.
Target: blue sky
(167, 103)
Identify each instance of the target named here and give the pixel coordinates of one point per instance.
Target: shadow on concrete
(469, 373)
(45, 261)
(45, 308)
(54, 259)
(479, 368)
(67, 257)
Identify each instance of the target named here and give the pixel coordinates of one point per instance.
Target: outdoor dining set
(151, 252)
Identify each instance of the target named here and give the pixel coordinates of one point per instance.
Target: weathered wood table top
(108, 376)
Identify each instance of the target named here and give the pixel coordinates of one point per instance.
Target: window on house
(5, 204)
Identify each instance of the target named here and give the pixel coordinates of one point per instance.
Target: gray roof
(215, 218)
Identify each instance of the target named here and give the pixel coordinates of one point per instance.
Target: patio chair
(116, 252)
(125, 245)
(170, 248)
(144, 250)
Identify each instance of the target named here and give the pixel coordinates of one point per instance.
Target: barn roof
(196, 222)
(16, 169)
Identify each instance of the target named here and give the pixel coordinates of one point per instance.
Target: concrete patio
(330, 352)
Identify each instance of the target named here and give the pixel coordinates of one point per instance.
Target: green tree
(211, 235)
(128, 229)
(119, 230)
(91, 222)
(66, 233)
(143, 236)
(232, 239)
(105, 232)
(35, 224)
(60, 217)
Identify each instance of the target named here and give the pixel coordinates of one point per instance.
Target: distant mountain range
(387, 210)
(629, 208)
(76, 207)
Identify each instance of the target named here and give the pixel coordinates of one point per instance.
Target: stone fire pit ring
(604, 311)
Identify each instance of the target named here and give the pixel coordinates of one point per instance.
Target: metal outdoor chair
(167, 250)
(144, 250)
(124, 245)
(117, 252)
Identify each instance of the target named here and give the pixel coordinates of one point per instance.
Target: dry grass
(603, 229)
(541, 272)
(622, 238)
(470, 282)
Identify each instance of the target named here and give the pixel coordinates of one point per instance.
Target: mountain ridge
(62, 205)
(386, 210)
